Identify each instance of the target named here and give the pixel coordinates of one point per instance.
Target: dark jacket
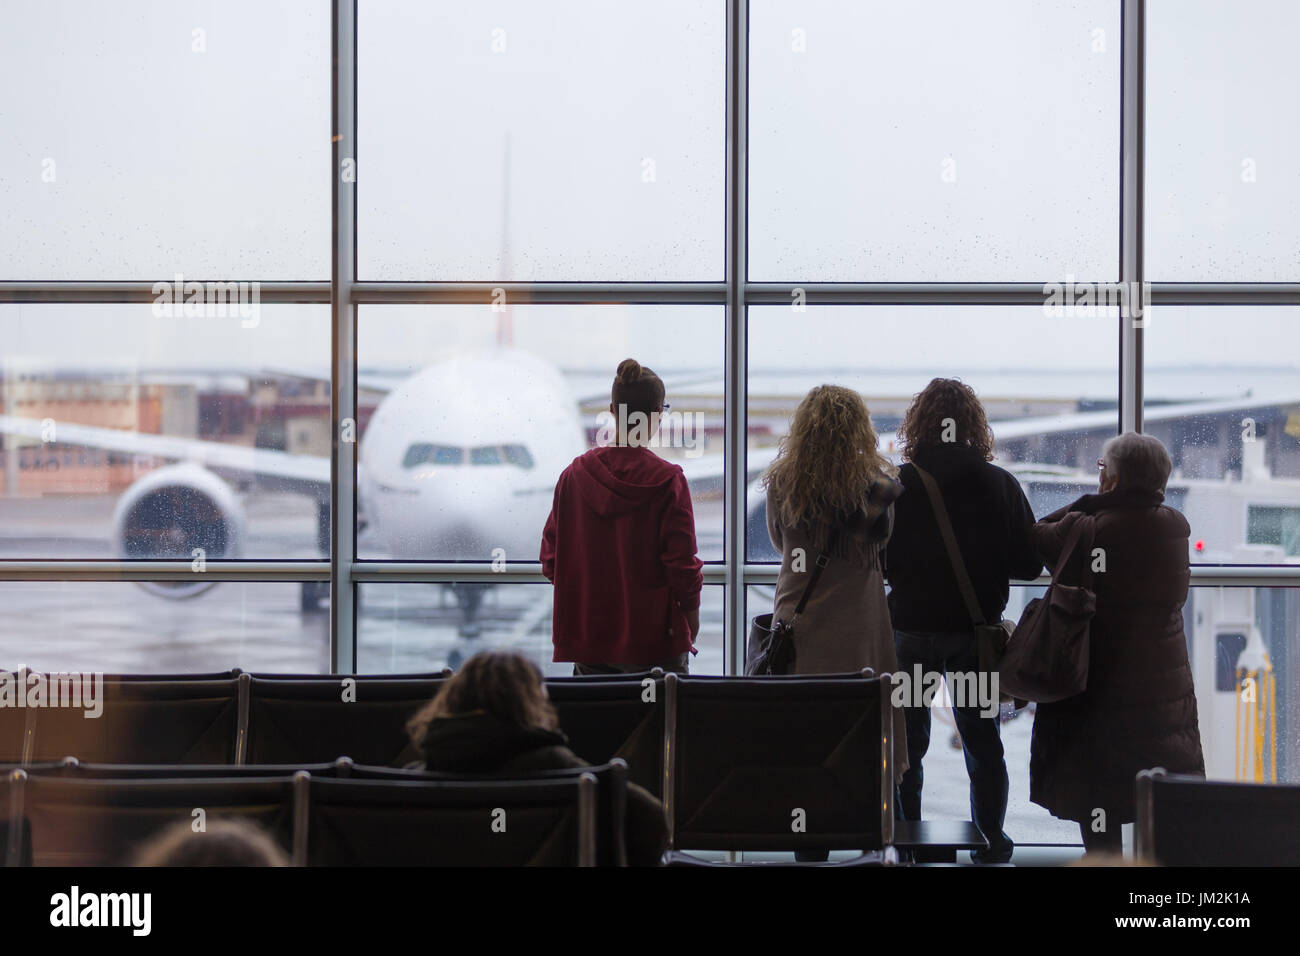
(480, 743)
(991, 519)
(1139, 710)
(619, 546)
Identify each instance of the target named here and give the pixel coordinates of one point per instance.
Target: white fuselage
(459, 462)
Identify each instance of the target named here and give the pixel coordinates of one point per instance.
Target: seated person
(223, 843)
(493, 717)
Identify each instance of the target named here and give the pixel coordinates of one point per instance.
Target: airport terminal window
(566, 147)
(541, 141)
(1222, 197)
(942, 141)
(153, 138)
(121, 627)
(1051, 408)
(1250, 724)
(1237, 457)
(528, 387)
(1279, 526)
(83, 475)
(414, 628)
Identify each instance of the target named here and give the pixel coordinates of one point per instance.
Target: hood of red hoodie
(615, 479)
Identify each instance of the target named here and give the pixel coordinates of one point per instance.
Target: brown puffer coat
(1139, 710)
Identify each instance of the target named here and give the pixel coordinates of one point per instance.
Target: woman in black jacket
(946, 433)
(494, 718)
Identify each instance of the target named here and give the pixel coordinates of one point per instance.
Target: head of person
(945, 414)
(1134, 462)
(503, 684)
(827, 460)
(636, 401)
(222, 843)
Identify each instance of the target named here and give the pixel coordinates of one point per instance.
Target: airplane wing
(308, 472)
(706, 473)
(1089, 421)
(671, 385)
(369, 381)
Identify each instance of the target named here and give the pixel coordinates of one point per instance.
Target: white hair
(1137, 461)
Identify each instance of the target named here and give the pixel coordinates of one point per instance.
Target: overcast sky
(935, 141)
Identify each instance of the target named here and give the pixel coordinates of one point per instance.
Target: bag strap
(1071, 541)
(950, 543)
(823, 559)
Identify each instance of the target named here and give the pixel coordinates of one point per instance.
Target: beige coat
(846, 625)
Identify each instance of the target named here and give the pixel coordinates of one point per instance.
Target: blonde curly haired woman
(830, 490)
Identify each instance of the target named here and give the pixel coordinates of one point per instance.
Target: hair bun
(629, 370)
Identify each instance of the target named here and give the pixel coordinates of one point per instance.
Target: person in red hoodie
(619, 545)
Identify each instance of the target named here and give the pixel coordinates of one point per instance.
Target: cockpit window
(518, 455)
(424, 453)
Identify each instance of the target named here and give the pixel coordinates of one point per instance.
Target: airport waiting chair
(15, 831)
(620, 718)
(13, 732)
(74, 769)
(309, 721)
(1190, 821)
(611, 798)
(655, 673)
(159, 678)
(779, 765)
(74, 822)
(430, 676)
(450, 823)
(142, 721)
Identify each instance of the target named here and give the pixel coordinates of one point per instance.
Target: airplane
(458, 462)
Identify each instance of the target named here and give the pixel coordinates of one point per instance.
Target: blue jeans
(981, 739)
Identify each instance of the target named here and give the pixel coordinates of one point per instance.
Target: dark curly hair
(946, 407)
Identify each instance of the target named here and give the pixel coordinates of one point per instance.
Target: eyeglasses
(664, 407)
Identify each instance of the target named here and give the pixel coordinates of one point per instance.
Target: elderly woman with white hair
(1139, 709)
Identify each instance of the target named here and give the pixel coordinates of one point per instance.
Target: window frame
(344, 294)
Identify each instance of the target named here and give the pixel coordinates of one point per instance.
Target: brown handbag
(1047, 657)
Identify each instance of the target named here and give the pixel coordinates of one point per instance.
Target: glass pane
(119, 627)
(152, 138)
(128, 434)
(404, 628)
(1051, 408)
(1223, 393)
(1222, 197)
(468, 416)
(517, 140)
(1246, 666)
(934, 141)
